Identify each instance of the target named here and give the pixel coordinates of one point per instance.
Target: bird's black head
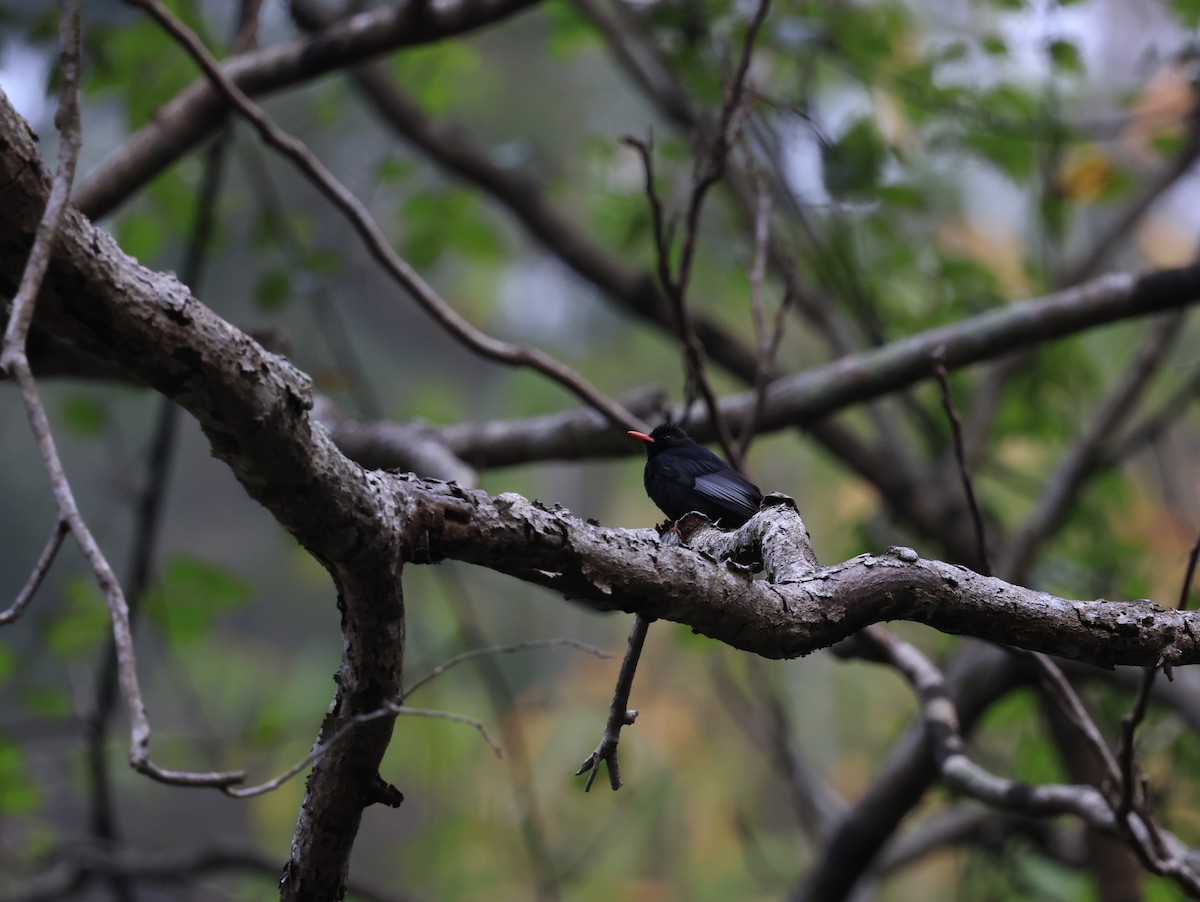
(663, 437)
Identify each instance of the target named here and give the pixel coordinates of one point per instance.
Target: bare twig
(149, 504)
(16, 364)
(1188, 575)
(331, 318)
(545, 847)
(1059, 689)
(619, 715)
(1122, 227)
(960, 456)
(368, 230)
(1098, 254)
(1155, 424)
(709, 171)
(13, 611)
(1085, 453)
(387, 709)
(1058, 686)
(640, 62)
(761, 713)
(75, 863)
(405, 711)
(767, 341)
(199, 109)
(503, 650)
(1126, 749)
(1160, 852)
(67, 121)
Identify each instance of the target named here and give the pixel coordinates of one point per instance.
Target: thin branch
(808, 397)
(1084, 454)
(709, 171)
(988, 399)
(330, 317)
(67, 121)
(763, 711)
(544, 847)
(619, 715)
(388, 709)
(960, 456)
(767, 341)
(1155, 424)
(503, 650)
(16, 364)
(1188, 575)
(979, 676)
(639, 60)
(404, 710)
(200, 109)
(377, 244)
(1126, 748)
(1056, 684)
(1123, 226)
(73, 864)
(149, 504)
(40, 569)
(1059, 688)
(1168, 857)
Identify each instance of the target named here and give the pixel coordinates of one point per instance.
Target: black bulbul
(683, 476)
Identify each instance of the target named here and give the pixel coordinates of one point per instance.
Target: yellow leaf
(1086, 173)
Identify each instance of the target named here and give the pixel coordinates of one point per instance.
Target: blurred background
(924, 161)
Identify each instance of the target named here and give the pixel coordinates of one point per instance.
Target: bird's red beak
(642, 436)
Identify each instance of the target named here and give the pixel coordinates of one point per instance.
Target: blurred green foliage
(924, 169)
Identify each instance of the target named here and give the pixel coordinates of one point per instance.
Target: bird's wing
(731, 488)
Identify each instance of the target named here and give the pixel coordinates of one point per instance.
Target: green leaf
(993, 45)
(84, 415)
(435, 222)
(1054, 214)
(123, 55)
(18, 794)
(270, 727)
(867, 35)
(904, 197)
(435, 73)
(1169, 144)
(393, 169)
(47, 702)
(273, 290)
(1188, 12)
(329, 105)
(190, 595)
(853, 163)
(322, 261)
(570, 32)
(1012, 154)
(80, 628)
(141, 236)
(1065, 56)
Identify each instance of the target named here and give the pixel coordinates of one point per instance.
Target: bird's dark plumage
(683, 476)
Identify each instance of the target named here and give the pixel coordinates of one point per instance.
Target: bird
(682, 475)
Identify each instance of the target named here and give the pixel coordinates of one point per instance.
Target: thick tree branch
(799, 608)
(255, 409)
